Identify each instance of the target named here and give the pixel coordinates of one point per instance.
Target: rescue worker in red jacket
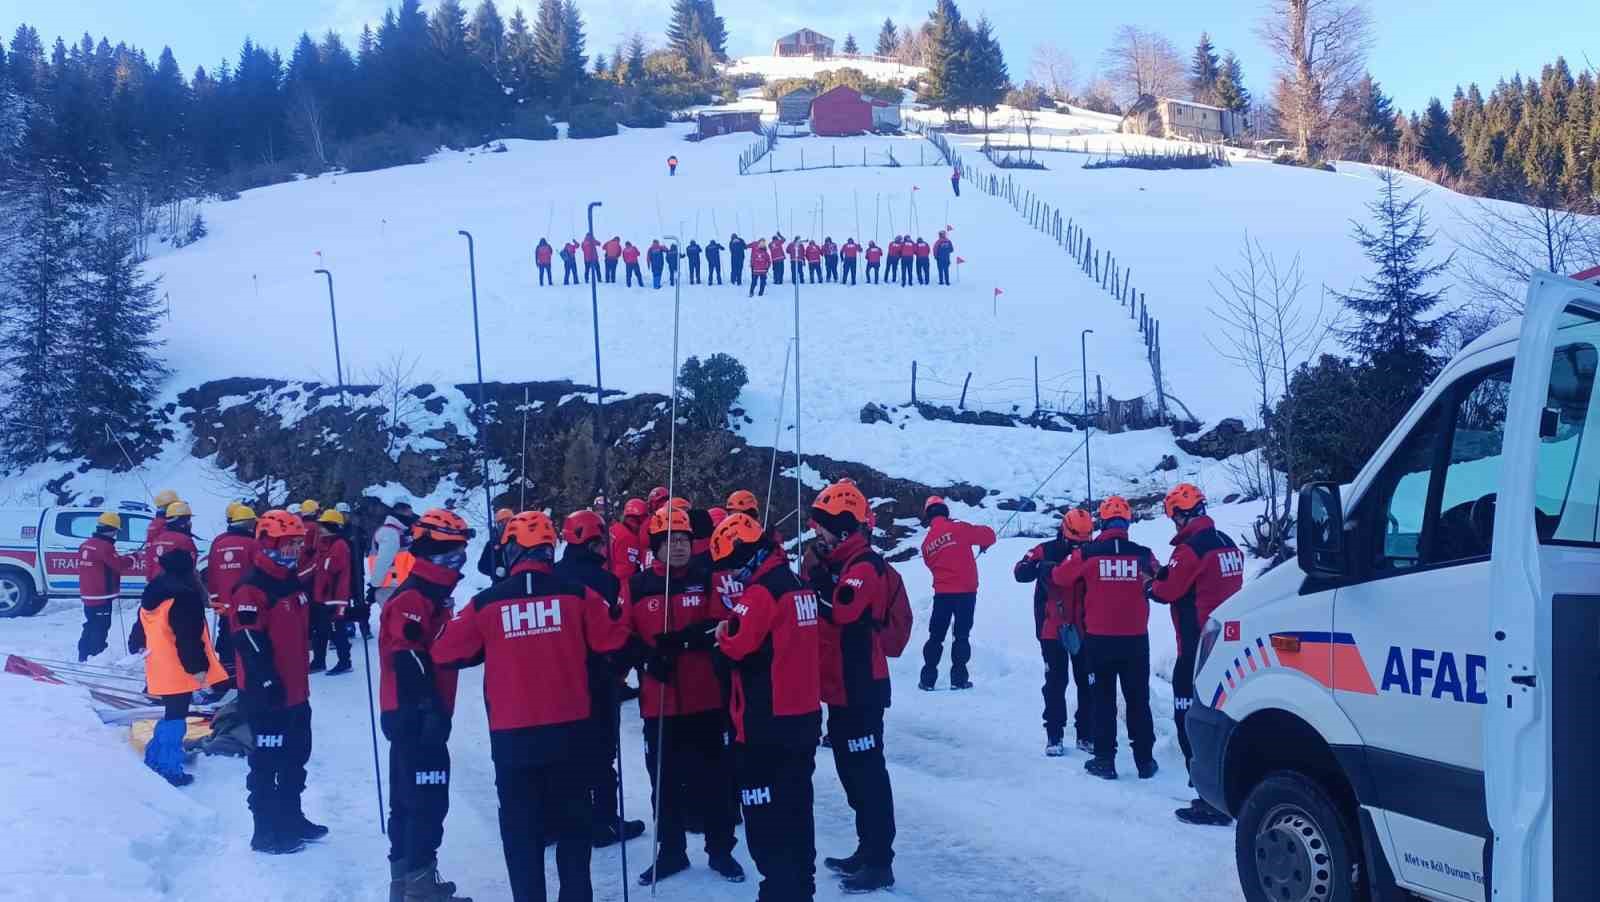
(630, 262)
(830, 259)
(591, 258)
(891, 268)
(330, 591)
(778, 255)
(874, 262)
(613, 251)
(1107, 576)
(309, 510)
(625, 555)
(760, 262)
(853, 676)
(797, 261)
(770, 634)
(569, 263)
(542, 257)
(1052, 613)
(908, 259)
(849, 252)
(814, 255)
(534, 632)
(1205, 570)
(418, 698)
(100, 573)
(227, 564)
(584, 562)
(923, 251)
(158, 525)
(490, 563)
(176, 534)
(172, 628)
(271, 616)
(947, 551)
(680, 699)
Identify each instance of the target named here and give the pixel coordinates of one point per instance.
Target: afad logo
(1436, 674)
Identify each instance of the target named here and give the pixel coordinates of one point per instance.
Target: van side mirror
(1319, 531)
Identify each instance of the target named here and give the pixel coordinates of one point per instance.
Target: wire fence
(830, 158)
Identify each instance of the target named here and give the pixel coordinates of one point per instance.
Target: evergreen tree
(576, 59)
(987, 80)
(696, 35)
(486, 37)
(947, 58)
(1394, 332)
(1440, 145)
(850, 47)
(1229, 88)
(521, 66)
(1204, 71)
(633, 70)
(558, 50)
(888, 39)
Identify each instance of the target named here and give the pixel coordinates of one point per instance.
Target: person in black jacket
(172, 627)
(736, 248)
(693, 251)
(672, 263)
(713, 263)
(584, 562)
(1060, 665)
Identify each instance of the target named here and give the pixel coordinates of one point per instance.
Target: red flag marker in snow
(915, 188)
(997, 293)
(960, 260)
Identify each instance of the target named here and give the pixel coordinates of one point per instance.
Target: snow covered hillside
(778, 67)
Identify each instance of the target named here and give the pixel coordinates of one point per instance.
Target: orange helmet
(443, 525)
(932, 500)
(634, 508)
(657, 496)
(1184, 498)
(730, 533)
(840, 499)
(679, 504)
(530, 529)
(275, 526)
(743, 502)
(1115, 508)
(1077, 525)
(669, 519)
(502, 515)
(582, 527)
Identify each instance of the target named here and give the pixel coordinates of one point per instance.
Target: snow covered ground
(982, 814)
(776, 67)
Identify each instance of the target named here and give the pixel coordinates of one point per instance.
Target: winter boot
(318, 665)
(295, 823)
(1086, 745)
(424, 885)
(1055, 749)
(397, 881)
(961, 684)
(341, 667)
(726, 865)
(1104, 768)
(844, 866)
(925, 686)
(870, 878)
(605, 835)
(665, 866)
(1201, 813)
(270, 840)
(1148, 768)
(164, 753)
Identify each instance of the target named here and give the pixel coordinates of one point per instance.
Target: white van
(1413, 707)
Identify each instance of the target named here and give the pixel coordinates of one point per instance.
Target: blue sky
(1424, 47)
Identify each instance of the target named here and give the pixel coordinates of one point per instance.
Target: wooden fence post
(1099, 396)
(913, 382)
(1036, 382)
(964, 384)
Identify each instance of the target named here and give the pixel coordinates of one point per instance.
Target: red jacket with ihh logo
(772, 639)
(1107, 578)
(691, 610)
(1205, 570)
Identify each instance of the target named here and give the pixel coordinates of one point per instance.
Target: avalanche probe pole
(799, 517)
(1088, 426)
(477, 350)
(366, 653)
(666, 592)
(777, 435)
(117, 602)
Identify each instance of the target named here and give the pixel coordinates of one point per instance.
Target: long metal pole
(666, 607)
(599, 393)
(1088, 424)
(777, 434)
(333, 311)
(799, 487)
(477, 350)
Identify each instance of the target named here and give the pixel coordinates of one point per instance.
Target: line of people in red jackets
(911, 261)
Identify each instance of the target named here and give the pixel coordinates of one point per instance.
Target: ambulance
(1410, 708)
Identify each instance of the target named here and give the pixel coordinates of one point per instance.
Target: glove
(658, 667)
(700, 637)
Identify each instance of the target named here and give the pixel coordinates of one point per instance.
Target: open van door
(1542, 723)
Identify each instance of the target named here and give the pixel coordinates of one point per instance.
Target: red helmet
(582, 527)
(530, 529)
(1115, 508)
(1077, 525)
(657, 497)
(930, 502)
(730, 533)
(634, 508)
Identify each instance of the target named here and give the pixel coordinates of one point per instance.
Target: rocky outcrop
(1224, 440)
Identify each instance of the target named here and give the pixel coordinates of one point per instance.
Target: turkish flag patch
(1230, 631)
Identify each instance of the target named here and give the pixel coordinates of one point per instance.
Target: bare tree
(1266, 332)
(1321, 46)
(1053, 68)
(1142, 62)
(306, 119)
(1504, 244)
(397, 383)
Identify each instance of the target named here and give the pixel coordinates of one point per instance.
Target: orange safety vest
(398, 571)
(163, 672)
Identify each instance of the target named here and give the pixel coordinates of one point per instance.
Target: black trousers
(545, 276)
(779, 824)
(1060, 669)
(569, 272)
(591, 270)
(797, 271)
(736, 271)
(758, 278)
(96, 627)
(694, 271)
(955, 185)
(849, 271)
(1125, 660)
(856, 735)
(832, 265)
(325, 628)
(634, 273)
(905, 272)
(713, 272)
(873, 272)
(922, 270)
(277, 773)
(946, 608)
(892, 268)
(1183, 674)
(611, 269)
(944, 271)
(695, 771)
(655, 276)
(528, 795)
(603, 780)
(176, 707)
(777, 271)
(419, 798)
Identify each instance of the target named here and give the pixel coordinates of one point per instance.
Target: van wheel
(16, 594)
(1294, 845)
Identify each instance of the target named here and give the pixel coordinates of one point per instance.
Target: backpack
(894, 631)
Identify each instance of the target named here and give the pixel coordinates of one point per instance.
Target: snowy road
(982, 814)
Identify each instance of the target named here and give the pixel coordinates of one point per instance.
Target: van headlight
(1208, 641)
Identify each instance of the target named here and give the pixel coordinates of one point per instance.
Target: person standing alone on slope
(947, 550)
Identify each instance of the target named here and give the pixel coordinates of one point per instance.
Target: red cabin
(841, 111)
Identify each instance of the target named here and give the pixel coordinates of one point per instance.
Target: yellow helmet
(331, 516)
(309, 508)
(110, 520)
(165, 497)
(177, 509)
(240, 513)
